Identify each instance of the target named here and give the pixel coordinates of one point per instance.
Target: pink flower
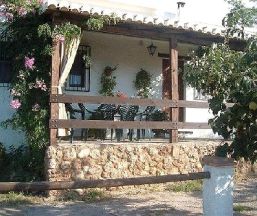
(29, 63)
(9, 16)
(21, 75)
(15, 93)
(15, 104)
(40, 84)
(121, 95)
(36, 107)
(61, 38)
(22, 12)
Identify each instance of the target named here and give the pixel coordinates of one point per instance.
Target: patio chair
(72, 115)
(104, 112)
(128, 113)
(145, 116)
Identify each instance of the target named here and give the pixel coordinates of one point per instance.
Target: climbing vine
(30, 33)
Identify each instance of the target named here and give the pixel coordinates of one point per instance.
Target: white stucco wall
(198, 115)
(7, 136)
(130, 54)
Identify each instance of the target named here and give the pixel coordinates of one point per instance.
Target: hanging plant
(97, 23)
(143, 83)
(108, 81)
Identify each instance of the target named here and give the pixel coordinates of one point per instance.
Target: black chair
(104, 112)
(145, 116)
(72, 115)
(128, 113)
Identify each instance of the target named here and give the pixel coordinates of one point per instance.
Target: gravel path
(150, 204)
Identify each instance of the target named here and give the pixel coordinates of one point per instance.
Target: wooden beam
(167, 56)
(100, 183)
(112, 100)
(54, 108)
(101, 124)
(174, 86)
(55, 98)
(193, 125)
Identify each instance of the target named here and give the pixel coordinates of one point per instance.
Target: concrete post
(218, 190)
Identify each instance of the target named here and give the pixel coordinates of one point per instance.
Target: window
(79, 78)
(198, 95)
(5, 65)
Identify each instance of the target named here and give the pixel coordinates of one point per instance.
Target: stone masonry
(76, 161)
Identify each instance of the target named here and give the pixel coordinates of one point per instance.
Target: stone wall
(67, 161)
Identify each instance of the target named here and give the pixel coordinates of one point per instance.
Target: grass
(241, 208)
(14, 199)
(189, 186)
(92, 195)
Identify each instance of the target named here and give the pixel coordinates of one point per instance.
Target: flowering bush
(30, 51)
(30, 33)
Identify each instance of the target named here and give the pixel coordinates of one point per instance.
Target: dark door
(166, 83)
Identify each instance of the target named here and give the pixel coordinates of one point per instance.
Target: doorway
(166, 84)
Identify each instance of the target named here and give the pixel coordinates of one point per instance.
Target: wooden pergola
(140, 30)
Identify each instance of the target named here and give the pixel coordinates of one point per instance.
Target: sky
(194, 11)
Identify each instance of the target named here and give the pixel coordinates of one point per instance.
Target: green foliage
(21, 164)
(91, 195)
(108, 81)
(242, 208)
(189, 186)
(238, 18)
(143, 83)
(68, 30)
(230, 76)
(97, 23)
(16, 199)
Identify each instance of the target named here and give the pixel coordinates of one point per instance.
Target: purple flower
(15, 104)
(29, 63)
(36, 107)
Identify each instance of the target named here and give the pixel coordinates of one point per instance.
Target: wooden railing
(72, 123)
(99, 183)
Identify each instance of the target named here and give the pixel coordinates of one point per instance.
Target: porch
(130, 54)
(125, 45)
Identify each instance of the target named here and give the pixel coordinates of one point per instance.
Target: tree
(231, 76)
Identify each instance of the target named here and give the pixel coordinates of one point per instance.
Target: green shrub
(21, 164)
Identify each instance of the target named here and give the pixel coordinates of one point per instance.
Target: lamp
(151, 49)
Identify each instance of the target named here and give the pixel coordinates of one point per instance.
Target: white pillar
(218, 190)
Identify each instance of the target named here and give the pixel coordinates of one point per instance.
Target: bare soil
(151, 203)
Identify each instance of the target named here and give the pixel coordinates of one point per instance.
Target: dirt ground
(155, 203)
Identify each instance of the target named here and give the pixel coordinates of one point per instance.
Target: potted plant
(143, 83)
(108, 81)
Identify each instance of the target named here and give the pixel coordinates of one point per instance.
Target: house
(144, 38)
(126, 45)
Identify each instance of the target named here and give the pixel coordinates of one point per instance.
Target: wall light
(151, 49)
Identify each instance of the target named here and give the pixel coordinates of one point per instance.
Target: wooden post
(174, 86)
(54, 108)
